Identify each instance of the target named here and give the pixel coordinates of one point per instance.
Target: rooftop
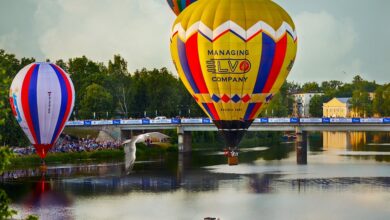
(343, 100)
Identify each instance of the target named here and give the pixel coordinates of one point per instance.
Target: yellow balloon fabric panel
(233, 55)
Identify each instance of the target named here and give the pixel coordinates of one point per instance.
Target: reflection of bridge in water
(110, 179)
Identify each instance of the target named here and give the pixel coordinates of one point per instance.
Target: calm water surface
(347, 177)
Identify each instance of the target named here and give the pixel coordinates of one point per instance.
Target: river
(347, 177)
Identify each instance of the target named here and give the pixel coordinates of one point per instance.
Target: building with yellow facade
(337, 108)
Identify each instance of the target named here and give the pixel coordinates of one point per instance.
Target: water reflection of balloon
(42, 99)
(44, 197)
(178, 6)
(233, 56)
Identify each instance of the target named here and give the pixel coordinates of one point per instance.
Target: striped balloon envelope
(42, 98)
(178, 6)
(233, 56)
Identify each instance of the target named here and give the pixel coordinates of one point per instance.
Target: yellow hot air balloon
(233, 56)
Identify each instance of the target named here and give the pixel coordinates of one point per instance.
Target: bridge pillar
(184, 140)
(301, 146)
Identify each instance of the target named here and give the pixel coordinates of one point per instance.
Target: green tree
(96, 100)
(5, 154)
(345, 90)
(359, 83)
(61, 63)
(378, 102)
(386, 101)
(10, 131)
(158, 90)
(329, 88)
(5, 158)
(381, 102)
(357, 80)
(316, 104)
(281, 104)
(361, 103)
(5, 211)
(120, 84)
(162, 91)
(293, 87)
(4, 89)
(310, 87)
(277, 108)
(140, 93)
(84, 73)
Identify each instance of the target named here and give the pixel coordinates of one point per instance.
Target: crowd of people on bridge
(68, 144)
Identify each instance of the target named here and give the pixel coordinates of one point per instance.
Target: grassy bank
(60, 158)
(143, 153)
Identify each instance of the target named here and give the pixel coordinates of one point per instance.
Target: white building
(304, 99)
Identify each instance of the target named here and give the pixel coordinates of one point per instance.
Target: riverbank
(201, 140)
(111, 155)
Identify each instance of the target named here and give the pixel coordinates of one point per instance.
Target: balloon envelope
(178, 6)
(233, 56)
(42, 100)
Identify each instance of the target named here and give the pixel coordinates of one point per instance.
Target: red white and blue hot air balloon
(42, 98)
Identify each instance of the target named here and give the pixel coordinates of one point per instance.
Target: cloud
(138, 30)
(325, 48)
(9, 41)
(332, 40)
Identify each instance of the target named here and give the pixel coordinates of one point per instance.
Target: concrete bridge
(125, 129)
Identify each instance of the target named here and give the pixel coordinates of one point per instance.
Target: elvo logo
(228, 66)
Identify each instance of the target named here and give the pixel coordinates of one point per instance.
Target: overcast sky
(337, 38)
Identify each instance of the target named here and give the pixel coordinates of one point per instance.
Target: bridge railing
(203, 121)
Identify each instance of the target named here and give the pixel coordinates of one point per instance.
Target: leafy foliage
(5, 211)
(5, 154)
(281, 104)
(316, 103)
(381, 102)
(96, 100)
(311, 87)
(5, 158)
(361, 103)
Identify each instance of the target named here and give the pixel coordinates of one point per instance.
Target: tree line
(367, 98)
(108, 91)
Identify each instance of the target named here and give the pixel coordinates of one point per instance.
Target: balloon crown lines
(231, 26)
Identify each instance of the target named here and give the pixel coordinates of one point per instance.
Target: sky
(337, 38)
